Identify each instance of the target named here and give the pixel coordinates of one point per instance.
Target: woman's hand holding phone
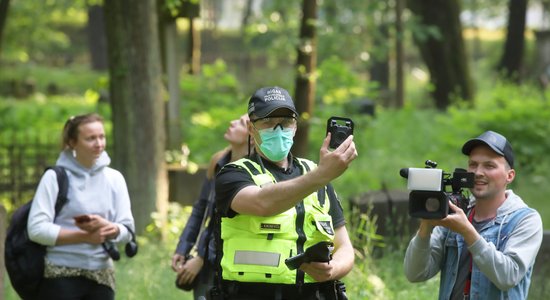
(82, 218)
(90, 223)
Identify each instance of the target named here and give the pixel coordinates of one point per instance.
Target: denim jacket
(502, 258)
(496, 232)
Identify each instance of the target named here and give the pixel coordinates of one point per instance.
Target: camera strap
(468, 283)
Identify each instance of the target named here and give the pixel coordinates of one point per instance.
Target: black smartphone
(340, 128)
(82, 218)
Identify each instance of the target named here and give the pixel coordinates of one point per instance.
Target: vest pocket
(257, 260)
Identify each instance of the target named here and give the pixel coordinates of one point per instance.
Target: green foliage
(41, 117)
(53, 80)
(175, 222)
(395, 139)
(362, 283)
(210, 101)
(355, 24)
(274, 32)
(39, 31)
(338, 84)
(521, 114)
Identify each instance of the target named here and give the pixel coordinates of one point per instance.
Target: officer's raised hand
(333, 163)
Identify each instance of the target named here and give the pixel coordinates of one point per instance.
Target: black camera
(339, 128)
(130, 249)
(320, 252)
(428, 198)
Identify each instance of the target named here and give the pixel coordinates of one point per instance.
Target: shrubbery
(389, 140)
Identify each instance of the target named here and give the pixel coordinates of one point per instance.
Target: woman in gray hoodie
(97, 211)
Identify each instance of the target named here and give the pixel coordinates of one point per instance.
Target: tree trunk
(379, 68)
(399, 55)
(194, 50)
(137, 106)
(191, 11)
(246, 15)
(4, 5)
(444, 53)
(172, 69)
(246, 59)
(510, 63)
(542, 68)
(305, 75)
(97, 42)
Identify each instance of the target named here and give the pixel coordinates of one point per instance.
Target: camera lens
(432, 204)
(340, 136)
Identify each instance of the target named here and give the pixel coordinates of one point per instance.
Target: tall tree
(246, 58)
(168, 12)
(4, 5)
(305, 76)
(510, 62)
(97, 42)
(137, 107)
(443, 49)
(191, 11)
(399, 54)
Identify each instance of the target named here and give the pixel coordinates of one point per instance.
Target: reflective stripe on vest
(255, 248)
(257, 258)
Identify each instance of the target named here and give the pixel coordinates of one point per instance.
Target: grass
(148, 276)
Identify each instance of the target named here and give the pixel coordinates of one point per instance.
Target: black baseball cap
(496, 141)
(267, 99)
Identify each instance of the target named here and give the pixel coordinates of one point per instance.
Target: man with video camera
(487, 252)
(273, 206)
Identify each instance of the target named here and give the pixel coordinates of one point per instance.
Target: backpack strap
(63, 184)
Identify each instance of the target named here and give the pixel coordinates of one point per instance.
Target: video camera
(320, 252)
(428, 198)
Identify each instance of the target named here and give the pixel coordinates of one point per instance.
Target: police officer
(272, 206)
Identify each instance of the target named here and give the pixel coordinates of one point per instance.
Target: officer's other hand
(320, 271)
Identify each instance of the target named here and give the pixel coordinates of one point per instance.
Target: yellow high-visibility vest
(255, 248)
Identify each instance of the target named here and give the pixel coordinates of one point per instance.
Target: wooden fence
(21, 166)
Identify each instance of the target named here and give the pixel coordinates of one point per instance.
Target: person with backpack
(197, 272)
(97, 214)
(487, 252)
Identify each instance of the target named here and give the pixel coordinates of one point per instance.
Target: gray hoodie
(99, 190)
